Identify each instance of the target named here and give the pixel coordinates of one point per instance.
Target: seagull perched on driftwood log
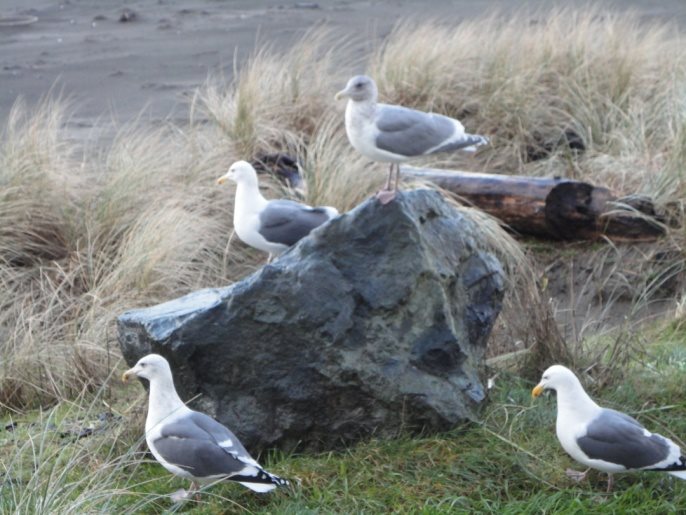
(190, 444)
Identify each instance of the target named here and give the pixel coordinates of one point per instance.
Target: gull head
(149, 367)
(555, 378)
(240, 171)
(359, 89)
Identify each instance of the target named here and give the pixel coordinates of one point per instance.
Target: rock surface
(374, 324)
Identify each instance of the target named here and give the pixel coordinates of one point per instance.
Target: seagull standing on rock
(190, 444)
(394, 134)
(270, 225)
(602, 438)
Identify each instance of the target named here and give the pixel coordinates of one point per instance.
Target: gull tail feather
(467, 142)
(681, 474)
(258, 487)
(262, 482)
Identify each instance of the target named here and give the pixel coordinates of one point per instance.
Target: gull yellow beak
(221, 180)
(341, 94)
(538, 390)
(126, 375)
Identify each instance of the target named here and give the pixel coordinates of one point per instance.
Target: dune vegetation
(87, 234)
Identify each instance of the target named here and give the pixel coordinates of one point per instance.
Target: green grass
(511, 462)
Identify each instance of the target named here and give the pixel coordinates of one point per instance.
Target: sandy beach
(116, 60)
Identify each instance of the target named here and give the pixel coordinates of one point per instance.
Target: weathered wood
(551, 208)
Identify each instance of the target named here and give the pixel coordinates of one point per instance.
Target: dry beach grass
(611, 82)
(84, 236)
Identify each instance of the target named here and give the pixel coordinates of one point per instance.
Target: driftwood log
(556, 208)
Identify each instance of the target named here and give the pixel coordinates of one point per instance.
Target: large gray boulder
(374, 324)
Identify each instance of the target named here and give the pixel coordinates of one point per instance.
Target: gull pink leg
(576, 475)
(610, 482)
(386, 195)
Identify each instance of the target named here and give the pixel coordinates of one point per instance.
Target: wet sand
(114, 69)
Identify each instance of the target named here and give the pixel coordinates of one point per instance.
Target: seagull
(602, 438)
(394, 134)
(270, 225)
(190, 444)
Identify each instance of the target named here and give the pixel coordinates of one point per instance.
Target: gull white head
(359, 89)
(241, 172)
(150, 367)
(556, 378)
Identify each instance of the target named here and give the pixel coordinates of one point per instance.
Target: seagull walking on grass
(602, 438)
(394, 134)
(190, 444)
(270, 225)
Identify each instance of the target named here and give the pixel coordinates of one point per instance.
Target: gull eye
(143, 364)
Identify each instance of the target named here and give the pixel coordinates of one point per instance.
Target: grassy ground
(86, 235)
(509, 463)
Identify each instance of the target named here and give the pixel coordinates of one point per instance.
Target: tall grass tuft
(37, 178)
(81, 241)
(277, 97)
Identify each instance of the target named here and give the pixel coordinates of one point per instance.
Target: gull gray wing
(287, 222)
(617, 438)
(187, 445)
(221, 434)
(255, 477)
(408, 132)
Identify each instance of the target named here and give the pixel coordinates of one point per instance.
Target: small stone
(127, 15)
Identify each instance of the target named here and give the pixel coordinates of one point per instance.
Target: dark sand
(114, 70)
